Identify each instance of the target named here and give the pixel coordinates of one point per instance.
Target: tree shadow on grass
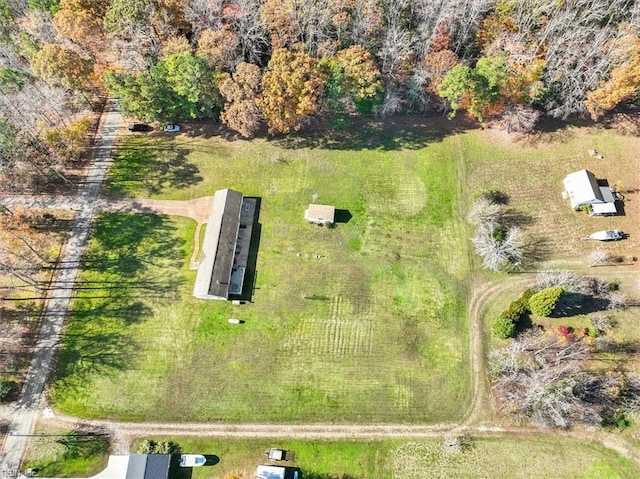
(512, 217)
(324, 475)
(151, 168)
(127, 245)
(132, 259)
(389, 134)
(574, 304)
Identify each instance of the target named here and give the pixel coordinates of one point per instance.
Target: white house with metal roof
(583, 189)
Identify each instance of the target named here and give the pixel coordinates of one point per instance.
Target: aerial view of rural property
(320, 239)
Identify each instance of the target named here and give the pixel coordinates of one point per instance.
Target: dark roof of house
(137, 466)
(218, 247)
(148, 466)
(225, 248)
(157, 466)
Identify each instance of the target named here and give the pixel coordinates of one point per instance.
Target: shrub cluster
(545, 301)
(149, 446)
(504, 326)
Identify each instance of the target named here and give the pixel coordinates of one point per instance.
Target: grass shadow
(130, 261)
(575, 304)
(512, 217)
(324, 475)
(410, 132)
(342, 216)
(140, 168)
(129, 244)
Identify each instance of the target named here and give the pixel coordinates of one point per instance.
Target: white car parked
(171, 128)
(192, 460)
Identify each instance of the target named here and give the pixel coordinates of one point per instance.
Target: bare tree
(617, 300)
(203, 14)
(536, 377)
(499, 253)
(599, 256)
(250, 30)
(571, 282)
(602, 321)
(485, 213)
(518, 118)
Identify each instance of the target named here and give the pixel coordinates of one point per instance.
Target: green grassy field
(363, 322)
(396, 459)
(62, 453)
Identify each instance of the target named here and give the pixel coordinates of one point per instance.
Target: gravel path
(31, 396)
(88, 202)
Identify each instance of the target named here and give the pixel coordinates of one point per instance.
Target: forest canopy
(284, 63)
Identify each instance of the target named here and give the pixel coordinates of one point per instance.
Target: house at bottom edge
(270, 471)
(148, 466)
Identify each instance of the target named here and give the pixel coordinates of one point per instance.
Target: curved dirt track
(123, 433)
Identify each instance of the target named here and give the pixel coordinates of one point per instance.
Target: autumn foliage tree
(81, 27)
(623, 81)
(69, 142)
(63, 66)
(292, 89)
(240, 91)
(354, 80)
(220, 47)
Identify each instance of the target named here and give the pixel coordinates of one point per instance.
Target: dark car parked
(139, 127)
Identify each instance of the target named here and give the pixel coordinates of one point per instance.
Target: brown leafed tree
(441, 38)
(65, 67)
(96, 8)
(279, 17)
(624, 79)
(81, 27)
(292, 90)
(221, 47)
(437, 64)
(170, 19)
(241, 111)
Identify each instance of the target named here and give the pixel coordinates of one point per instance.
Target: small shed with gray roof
(320, 214)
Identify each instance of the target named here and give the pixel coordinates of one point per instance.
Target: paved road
(41, 365)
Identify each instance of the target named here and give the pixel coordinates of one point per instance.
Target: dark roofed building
(225, 249)
(148, 466)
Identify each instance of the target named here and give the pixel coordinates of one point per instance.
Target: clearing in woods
(365, 322)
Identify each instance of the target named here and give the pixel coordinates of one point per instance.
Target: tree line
(284, 63)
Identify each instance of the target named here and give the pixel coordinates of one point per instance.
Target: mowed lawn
(504, 458)
(365, 322)
(530, 170)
